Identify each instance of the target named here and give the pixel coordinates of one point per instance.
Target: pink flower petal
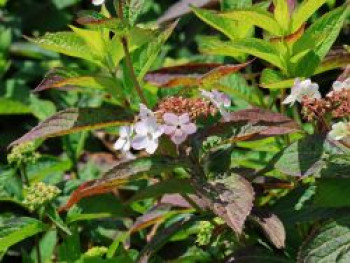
(179, 139)
(171, 118)
(169, 129)
(184, 118)
(189, 128)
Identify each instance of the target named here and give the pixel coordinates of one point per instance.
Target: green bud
(40, 194)
(96, 252)
(23, 153)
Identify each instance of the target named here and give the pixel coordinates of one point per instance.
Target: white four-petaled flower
(340, 131)
(147, 135)
(125, 137)
(178, 127)
(341, 85)
(98, 2)
(220, 100)
(302, 89)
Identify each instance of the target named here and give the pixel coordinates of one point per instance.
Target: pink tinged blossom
(147, 135)
(124, 142)
(178, 127)
(98, 2)
(146, 113)
(219, 99)
(341, 85)
(301, 90)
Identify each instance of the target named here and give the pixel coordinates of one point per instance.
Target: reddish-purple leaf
(272, 227)
(190, 75)
(183, 7)
(230, 198)
(75, 120)
(121, 174)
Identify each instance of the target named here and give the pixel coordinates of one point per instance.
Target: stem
(24, 175)
(37, 249)
(128, 58)
(192, 203)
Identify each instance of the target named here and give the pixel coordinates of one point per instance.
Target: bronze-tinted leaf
(75, 120)
(64, 79)
(121, 174)
(252, 124)
(272, 227)
(183, 7)
(230, 198)
(190, 75)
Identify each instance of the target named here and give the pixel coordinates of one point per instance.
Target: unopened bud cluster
(336, 104)
(23, 153)
(206, 229)
(195, 107)
(40, 194)
(96, 252)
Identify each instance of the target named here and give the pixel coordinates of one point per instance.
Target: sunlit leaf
(74, 120)
(121, 174)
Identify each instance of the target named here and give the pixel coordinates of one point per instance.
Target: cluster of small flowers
(195, 107)
(206, 231)
(23, 153)
(336, 103)
(174, 117)
(40, 194)
(96, 252)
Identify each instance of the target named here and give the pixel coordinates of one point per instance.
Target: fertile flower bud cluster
(174, 116)
(336, 103)
(40, 194)
(194, 107)
(23, 153)
(96, 252)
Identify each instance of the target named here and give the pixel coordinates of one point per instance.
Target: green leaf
(302, 158)
(282, 14)
(132, 10)
(123, 173)
(13, 107)
(57, 220)
(328, 244)
(47, 247)
(67, 43)
(332, 192)
(338, 59)
(234, 4)
(170, 186)
(69, 250)
(148, 55)
(337, 166)
(41, 109)
(225, 25)
(304, 11)
(304, 65)
(322, 34)
(252, 46)
(97, 207)
(14, 230)
(257, 17)
(75, 120)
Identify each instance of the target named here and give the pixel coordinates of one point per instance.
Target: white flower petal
(152, 146)
(142, 127)
(98, 2)
(119, 144)
(139, 142)
(127, 146)
(289, 100)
